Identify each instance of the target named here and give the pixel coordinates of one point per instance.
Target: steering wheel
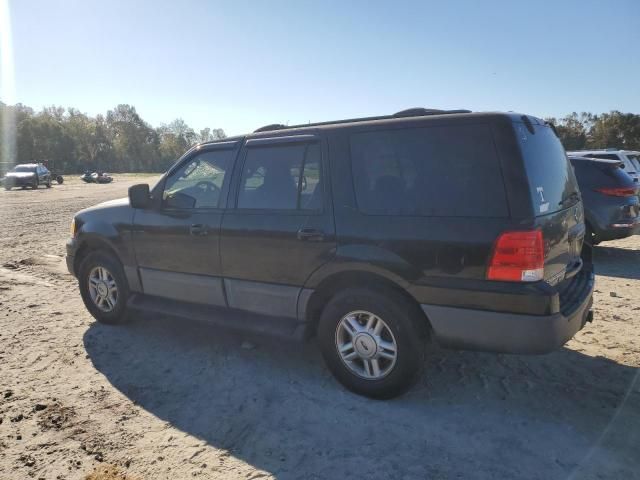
(207, 186)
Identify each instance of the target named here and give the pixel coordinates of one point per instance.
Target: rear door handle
(198, 229)
(310, 235)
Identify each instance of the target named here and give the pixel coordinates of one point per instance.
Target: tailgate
(563, 232)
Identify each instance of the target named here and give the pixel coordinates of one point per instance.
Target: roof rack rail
(410, 112)
(419, 112)
(271, 126)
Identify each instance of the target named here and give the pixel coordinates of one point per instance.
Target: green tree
(615, 130)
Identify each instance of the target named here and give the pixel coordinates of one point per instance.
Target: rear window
(594, 174)
(434, 171)
(551, 179)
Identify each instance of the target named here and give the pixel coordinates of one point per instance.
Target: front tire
(373, 341)
(104, 287)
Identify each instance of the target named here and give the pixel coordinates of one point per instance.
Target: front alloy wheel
(103, 289)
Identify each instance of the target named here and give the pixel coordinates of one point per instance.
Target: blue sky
(238, 65)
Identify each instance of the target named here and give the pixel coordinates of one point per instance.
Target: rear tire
(378, 360)
(104, 287)
(48, 183)
(35, 185)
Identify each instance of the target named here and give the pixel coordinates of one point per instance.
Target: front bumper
(71, 255)
(510, 332)
(19, 182)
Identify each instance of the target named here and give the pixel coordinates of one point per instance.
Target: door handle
(310, 235)
(198, 229)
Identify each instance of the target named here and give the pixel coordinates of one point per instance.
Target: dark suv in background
(27, 175)
(610, 197)
(371, 234)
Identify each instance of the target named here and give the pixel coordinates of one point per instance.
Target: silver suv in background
(630, 159)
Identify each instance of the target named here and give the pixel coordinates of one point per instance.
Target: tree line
(121, 141)
(71, 141)
(586, 131)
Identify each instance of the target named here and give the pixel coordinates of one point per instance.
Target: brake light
(517, 257)
(618, 192)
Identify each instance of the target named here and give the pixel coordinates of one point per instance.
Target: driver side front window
(198, 182)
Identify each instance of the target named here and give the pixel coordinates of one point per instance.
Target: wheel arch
(338, 281)
(92, 244)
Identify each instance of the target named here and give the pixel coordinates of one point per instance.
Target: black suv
(610, 197)
(27, 175)
(371, 234)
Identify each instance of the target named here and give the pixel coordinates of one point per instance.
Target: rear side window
(551, 179)
(281, 178)
(635, 161)
(450, 171)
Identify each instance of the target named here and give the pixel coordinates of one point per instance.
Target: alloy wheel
(103, 289)
(366, 345)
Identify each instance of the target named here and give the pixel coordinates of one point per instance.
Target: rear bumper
(509, 332)
(620, 229)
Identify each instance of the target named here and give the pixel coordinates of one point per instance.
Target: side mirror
(139, 196)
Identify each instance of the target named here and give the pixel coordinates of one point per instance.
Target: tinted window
(551, 180)
(281, 177)
(635, 161)
(608, 156)
(434, 171)
(23, 168)
(594, 174)
(198, 182)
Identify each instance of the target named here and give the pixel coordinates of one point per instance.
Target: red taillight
(517, 257)
(618, 192)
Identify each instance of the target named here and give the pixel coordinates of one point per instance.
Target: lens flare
(7, 89)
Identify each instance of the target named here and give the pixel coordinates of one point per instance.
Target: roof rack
(410, 112)
(271, 126)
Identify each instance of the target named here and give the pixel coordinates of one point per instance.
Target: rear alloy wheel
(366, 345)
(104, 287)
(373, 341)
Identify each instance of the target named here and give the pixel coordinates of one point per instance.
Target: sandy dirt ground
(159, 398)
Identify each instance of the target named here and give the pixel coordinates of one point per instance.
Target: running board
(228, 318)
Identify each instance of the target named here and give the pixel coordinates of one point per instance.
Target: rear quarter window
(441, 171)
(551, 178)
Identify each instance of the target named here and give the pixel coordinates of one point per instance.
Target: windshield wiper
(572, 196)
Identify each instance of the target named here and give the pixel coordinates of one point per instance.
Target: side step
(229, 318)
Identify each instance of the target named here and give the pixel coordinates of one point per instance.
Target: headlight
(73, 227)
